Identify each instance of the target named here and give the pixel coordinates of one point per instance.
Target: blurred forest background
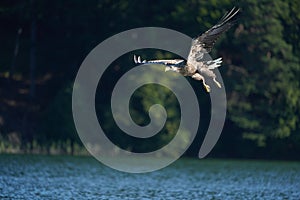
(43, 43)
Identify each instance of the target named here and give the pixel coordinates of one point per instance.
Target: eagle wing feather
(204, 43)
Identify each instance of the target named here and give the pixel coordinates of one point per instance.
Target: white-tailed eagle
(196, 65)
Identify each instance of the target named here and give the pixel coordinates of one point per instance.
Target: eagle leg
(217, 83)
(199, 77)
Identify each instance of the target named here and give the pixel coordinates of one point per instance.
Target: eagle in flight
(197, 64)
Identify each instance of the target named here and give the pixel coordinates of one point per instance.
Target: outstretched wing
(204, 43)
(174, 62)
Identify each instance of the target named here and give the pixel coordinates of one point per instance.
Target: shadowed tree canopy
(260, 70)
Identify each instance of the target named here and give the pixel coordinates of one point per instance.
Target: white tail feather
(135, 59)
(138, 60)
(214, 63)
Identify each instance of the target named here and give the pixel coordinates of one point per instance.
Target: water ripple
(59, 177)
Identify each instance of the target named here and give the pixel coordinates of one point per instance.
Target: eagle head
(171, 68)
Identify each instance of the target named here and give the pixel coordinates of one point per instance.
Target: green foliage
(56, 123)
(140, 103)
(264, 99)
(261, 67)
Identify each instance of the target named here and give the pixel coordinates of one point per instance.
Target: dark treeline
(44, 42)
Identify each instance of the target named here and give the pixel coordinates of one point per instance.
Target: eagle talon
(207, 88)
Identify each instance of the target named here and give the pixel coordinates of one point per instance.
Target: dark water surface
(65, 177)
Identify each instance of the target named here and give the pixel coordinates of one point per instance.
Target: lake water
(66, 177)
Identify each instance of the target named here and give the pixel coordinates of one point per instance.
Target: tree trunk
(32, 49)
(16, 51)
